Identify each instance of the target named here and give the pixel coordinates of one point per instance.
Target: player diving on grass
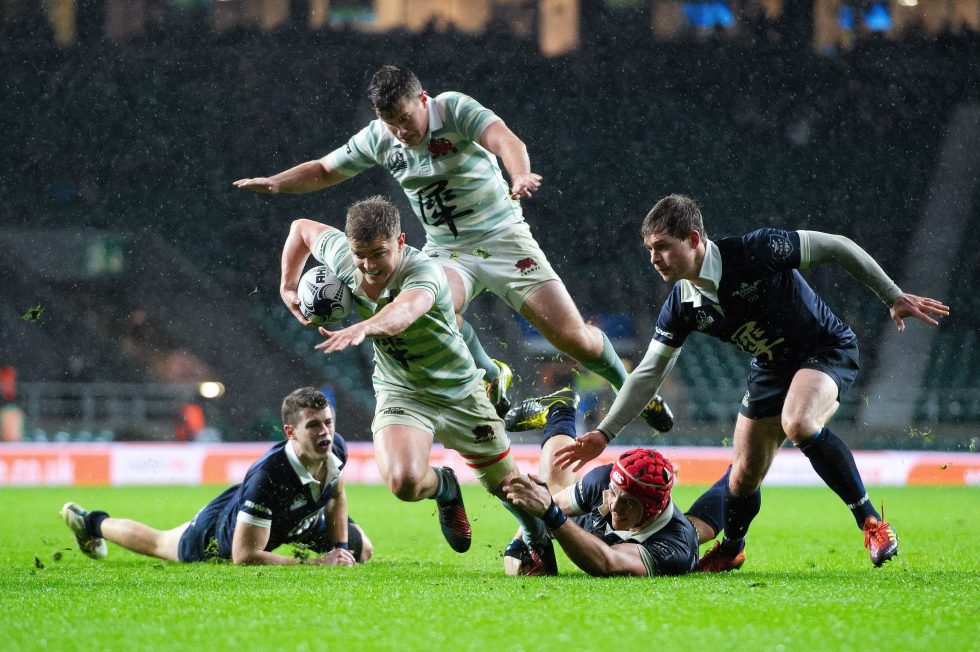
(748, 291)
(294, 493)
(426, 383)
(443, 152)
(618, 519)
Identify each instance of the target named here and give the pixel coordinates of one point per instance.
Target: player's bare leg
(141, 538)
(402, 455)
(555, 478)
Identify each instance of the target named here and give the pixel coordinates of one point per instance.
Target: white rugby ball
(323, 298)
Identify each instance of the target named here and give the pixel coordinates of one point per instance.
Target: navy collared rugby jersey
(763, 305)
(278, 493)
(668, 545)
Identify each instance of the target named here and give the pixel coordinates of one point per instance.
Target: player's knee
(799, 428)
(367, 550)
(577, 340)
(405, 484)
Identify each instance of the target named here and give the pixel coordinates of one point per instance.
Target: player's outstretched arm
(503, 142)
(922, 308)
(248, 547)
(336, 514)
(305, 177)
(393, 319)
(587, 551)
(295, 252)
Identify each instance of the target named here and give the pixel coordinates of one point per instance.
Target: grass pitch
(807, 584)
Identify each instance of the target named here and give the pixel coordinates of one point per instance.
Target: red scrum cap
(646, 475)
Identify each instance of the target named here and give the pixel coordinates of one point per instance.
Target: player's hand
(922, 308)
(336, 557)
(585, 447)
(523, 185)
(528, 493)
(339, 340)
(264, 185)
(291, 299)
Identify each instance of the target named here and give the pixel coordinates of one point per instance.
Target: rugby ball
(323, 298)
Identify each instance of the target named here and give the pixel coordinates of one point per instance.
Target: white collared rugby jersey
(453, 183)
(430, 356)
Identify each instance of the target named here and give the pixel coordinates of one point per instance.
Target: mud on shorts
(766, 389)
(509, 264)
(468, 425)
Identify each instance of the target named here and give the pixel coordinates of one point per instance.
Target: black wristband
(342, 545)
(554, 518)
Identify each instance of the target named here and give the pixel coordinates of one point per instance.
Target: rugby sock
(93, 523)
(561, 421)
(446, 491)
(739, 512)
(833, 462)
(533, 530)
(480, 356)
(710, 506)
(608, 365)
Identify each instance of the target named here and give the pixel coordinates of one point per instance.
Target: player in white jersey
(425, 380)
(443, 151)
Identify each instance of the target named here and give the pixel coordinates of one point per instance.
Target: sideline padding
(34, 465)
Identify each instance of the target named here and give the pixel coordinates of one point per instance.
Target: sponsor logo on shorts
(483, 433)
(441, 146)
(526, 266)
(667, 335)
(395, 411)
(780, 246)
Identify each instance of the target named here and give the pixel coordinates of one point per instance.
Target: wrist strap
(344, 545)
(554, 518)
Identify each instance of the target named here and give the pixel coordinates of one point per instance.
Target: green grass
(807, 584)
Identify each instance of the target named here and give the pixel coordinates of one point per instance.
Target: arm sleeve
(332, 250)
(640, 387)
(818, 248)
(471, 117)
(257, 507)
(356, 155)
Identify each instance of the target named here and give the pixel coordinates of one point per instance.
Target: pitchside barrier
(30, 465)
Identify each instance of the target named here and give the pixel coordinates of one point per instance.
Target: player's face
(673, 258)
(409, 121)
(378, 259)
(626, 510)
(313, 433)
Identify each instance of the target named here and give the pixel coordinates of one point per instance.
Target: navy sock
(483, 361)
(93, 523)
(710, 506)
(446, 491)
(739, 512)
(833, 462)
(561, 421)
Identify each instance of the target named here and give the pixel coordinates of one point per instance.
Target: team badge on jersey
(780, 246)
(396, 161)
(441, 146)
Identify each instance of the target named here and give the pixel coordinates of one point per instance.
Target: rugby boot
(717, 560)
(452, 517)
(538, 559)
(498, 388)
(880, 539)
(657, 414)
(532, 413)
(75, 519)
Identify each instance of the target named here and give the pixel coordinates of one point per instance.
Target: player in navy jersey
(294, 493)
(747, 291)
(618, 519)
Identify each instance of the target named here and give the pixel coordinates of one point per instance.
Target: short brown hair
(674, 215)
(389, 85)
(372, 219)
(298, 400)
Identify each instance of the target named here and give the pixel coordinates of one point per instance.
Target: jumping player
(747, 291)
(294, 493)
(443, 151)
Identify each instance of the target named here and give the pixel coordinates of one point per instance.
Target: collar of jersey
(655, 526)
(301, 471)
(710, 271)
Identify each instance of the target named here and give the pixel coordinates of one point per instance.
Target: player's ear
(401, 241)
(424, 98)
(695, 239)
(289, 430)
